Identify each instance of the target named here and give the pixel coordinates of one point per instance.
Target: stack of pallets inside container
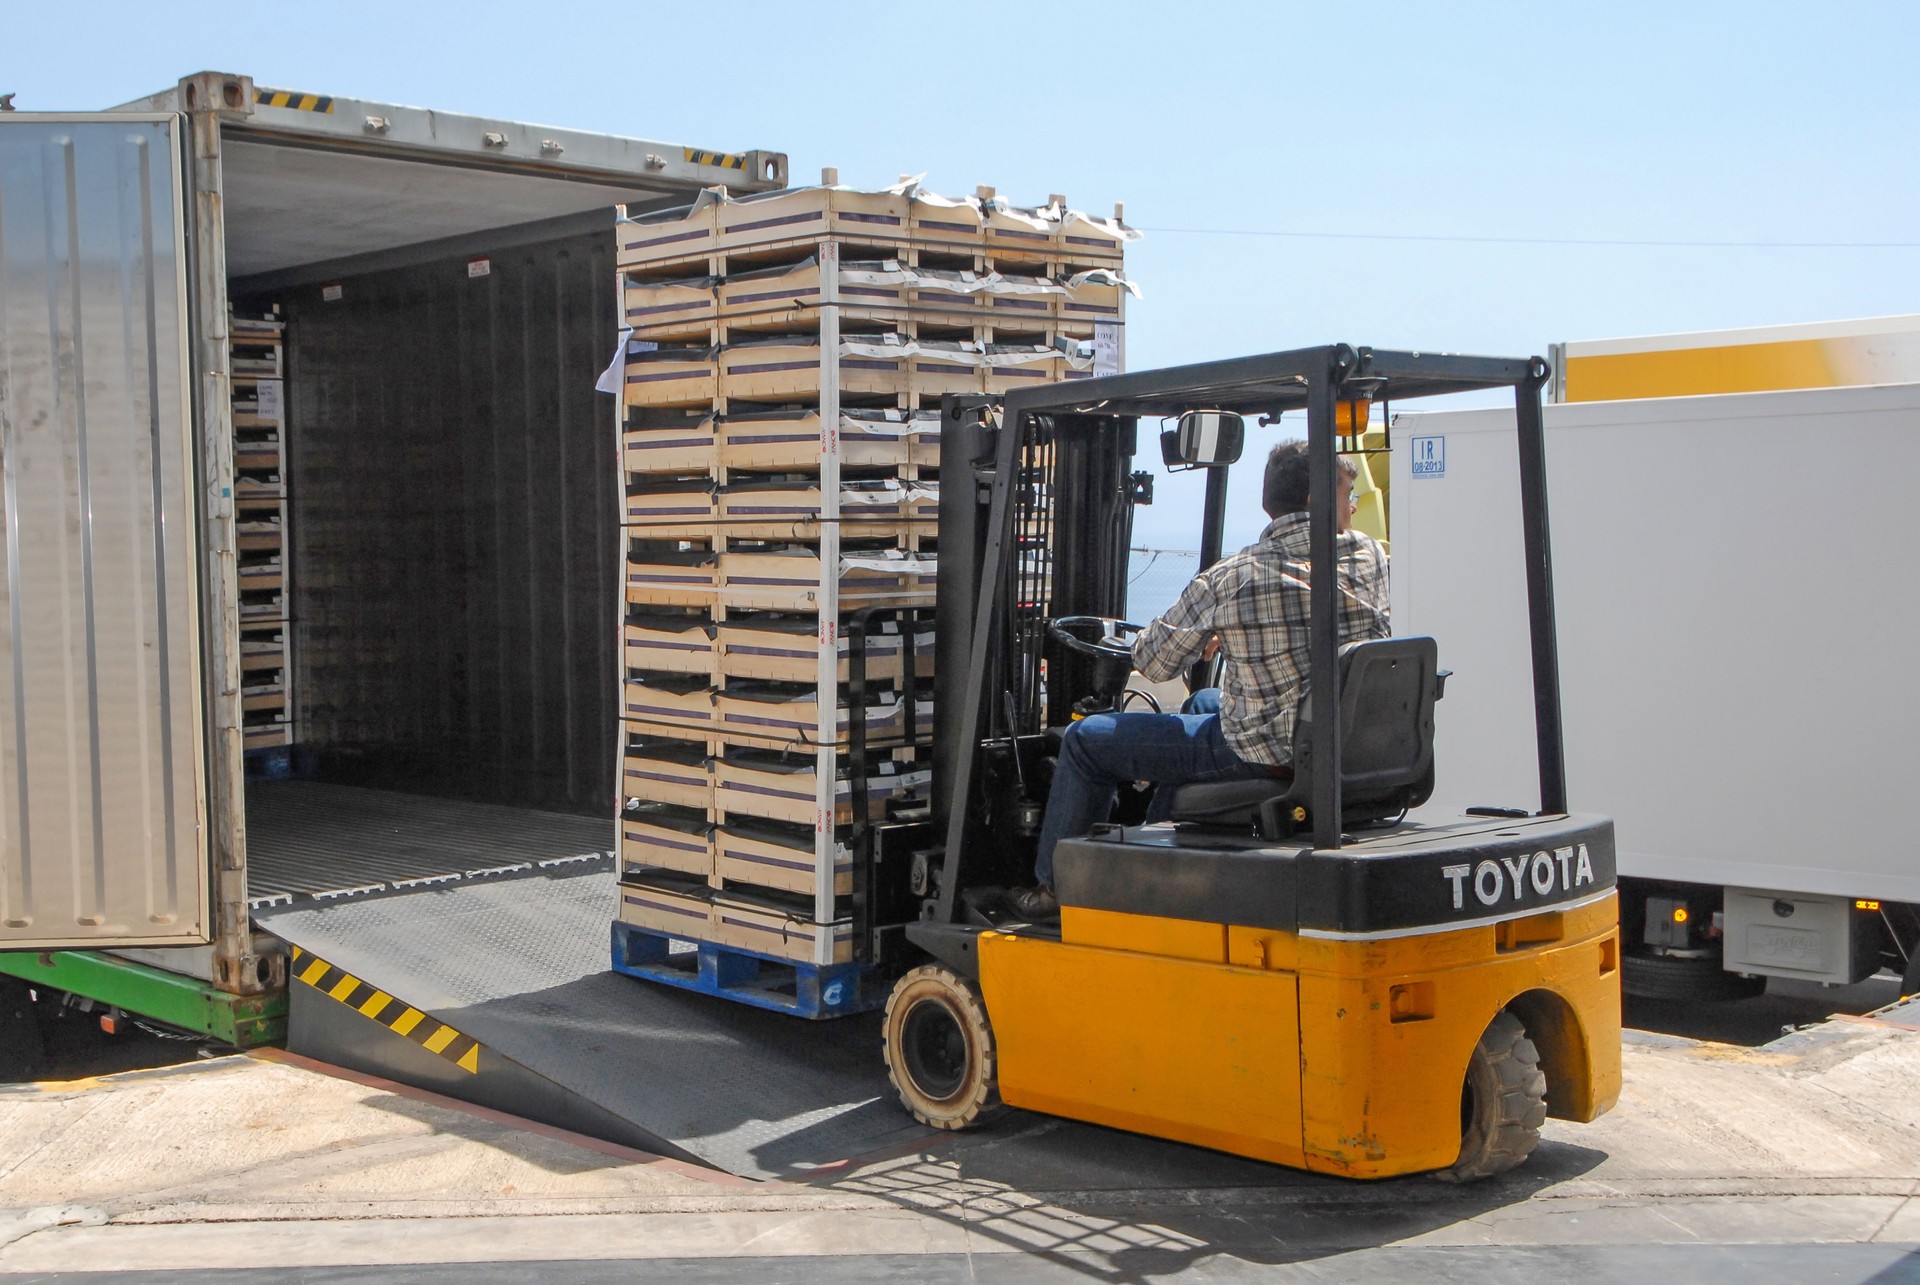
(256, 355)
(782, 382)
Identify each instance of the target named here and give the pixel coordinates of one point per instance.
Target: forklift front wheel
(939, 1049)
(1502, 1105)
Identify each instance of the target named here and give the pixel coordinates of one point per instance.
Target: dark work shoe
(1034, 905)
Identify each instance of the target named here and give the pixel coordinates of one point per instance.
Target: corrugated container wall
(454, 524)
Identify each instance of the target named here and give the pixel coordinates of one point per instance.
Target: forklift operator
(1252, 606)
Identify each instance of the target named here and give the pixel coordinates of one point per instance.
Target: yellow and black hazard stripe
(293, 98)
(724, 160)
(429, 1033)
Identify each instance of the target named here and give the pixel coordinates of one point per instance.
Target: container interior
(452, 501)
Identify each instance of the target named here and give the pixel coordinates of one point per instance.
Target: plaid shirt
(1257, 601)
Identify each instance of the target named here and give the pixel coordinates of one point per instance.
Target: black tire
(939, 1049)
(1502, 1104)
(1910, 979)
(1669, 977)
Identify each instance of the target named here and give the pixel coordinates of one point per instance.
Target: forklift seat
(1387, 690)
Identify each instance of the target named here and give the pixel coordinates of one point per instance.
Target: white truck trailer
(1736, 609)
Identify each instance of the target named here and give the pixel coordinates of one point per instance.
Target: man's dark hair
(1288, 478)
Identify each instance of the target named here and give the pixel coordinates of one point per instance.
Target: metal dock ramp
(494, 987)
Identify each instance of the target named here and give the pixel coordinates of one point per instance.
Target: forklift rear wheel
(1502, 1105)
(939, 1049)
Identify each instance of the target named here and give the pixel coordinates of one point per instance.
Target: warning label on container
(1429, 456)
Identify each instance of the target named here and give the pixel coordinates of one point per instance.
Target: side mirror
(1203, 439)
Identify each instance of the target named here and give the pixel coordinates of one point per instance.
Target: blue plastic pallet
(802, 990)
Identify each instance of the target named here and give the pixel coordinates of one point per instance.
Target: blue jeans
(1107, 750)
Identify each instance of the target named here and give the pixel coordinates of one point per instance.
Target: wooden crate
(1026, 299)
(664, 573)
(811, 212)
(778, 785)
(789, 508)
(769, 854)
(1011, 366)
(656, 768)
(683, 234)
(270, 694)
(671, 640)
(1085, 238)
(669, 700)
(669, 507)
(684, 444)
(1016, 233)
(671, 374)
(260, 575)
(785, 291)
(789, 713)
(260, 736)
(783, 785)
(790, 440)
(663, 837)
(788, 577)
(671, 307)
(260, 534)
(945, 366)
(953, 222)
(257, 453)
(667, 901)
(263, 612)
(769, 925)
(253, 494)
(790, 367)
(785, 647)
(1094, 294)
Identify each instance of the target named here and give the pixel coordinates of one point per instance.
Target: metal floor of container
(312, 839)
(499, 991)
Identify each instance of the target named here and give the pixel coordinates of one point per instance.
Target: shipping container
(444, 291)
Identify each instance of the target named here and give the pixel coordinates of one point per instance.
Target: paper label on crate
(271, 399)
(1076, 221)
(898, 564)
(331, 294)
(1102, 277)
(865, 426)
(887, 492)
(616, 372)
(994, 283)
(479, 267)
(1106, 348)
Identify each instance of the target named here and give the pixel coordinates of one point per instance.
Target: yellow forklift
(1308, 972)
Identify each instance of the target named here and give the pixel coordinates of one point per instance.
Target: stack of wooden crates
(784, 359)
(256, 354)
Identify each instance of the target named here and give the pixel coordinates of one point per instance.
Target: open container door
(102, 796)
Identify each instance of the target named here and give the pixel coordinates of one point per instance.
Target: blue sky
(1612, 122)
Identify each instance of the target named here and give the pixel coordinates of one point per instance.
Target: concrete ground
(1800, 1158)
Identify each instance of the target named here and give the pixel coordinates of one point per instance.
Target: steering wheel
(1096, 637)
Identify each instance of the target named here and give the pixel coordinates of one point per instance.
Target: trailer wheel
(1502, 1104)
(939, 1049)
(1910, 979)
(1677, 977)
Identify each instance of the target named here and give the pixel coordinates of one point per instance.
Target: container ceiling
(287, 205)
